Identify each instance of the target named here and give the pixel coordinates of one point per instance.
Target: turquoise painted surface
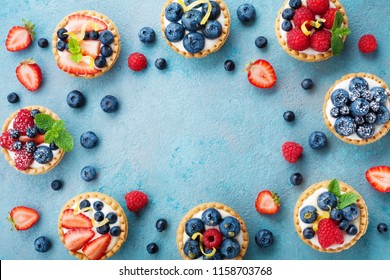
(193, 133)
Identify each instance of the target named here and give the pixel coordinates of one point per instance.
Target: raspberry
(136, 200)
(320, 40)
(301, 15)
(329, 18)
(291, 151)
(318, 7)
(23, 159)
(329, 233)
(212, 238)
(137, 62)
(367, 43)
(297, 40)
(6, 141)
(23, 121)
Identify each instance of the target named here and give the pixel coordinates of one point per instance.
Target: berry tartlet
(312, 30)
(212, 231)
(34, 140)
(86, 44)
(92, 226)
(195, 28)
(330, 216)
(356, 108)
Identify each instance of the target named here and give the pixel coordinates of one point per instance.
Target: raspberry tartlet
(92, 226)
(330, 216)
(212, 231)
(312, 30)
(86, 44)
(356, 108)
(195, 28)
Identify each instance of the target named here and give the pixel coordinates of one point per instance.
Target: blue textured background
(192, 133)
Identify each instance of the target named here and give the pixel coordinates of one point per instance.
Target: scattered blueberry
(147, 35)
(287, 25)
(115, 231)
(30, 147)
(14, 134)
(193, 226)
(112, 217)
(43, 154)
(212, 29)
(75, 99)
(229, 65)
(382, 228)
(336, 215)
(109, 104)
(261, 42)
(191, 20)
(358, 84)
(84, 204)
(98, 216)
(100, 61)
(161, 63)
(295, 4)
(17, 145)
(174, 12)
(215, 10)
(296, 179)
(351, 212)
(106, 37)
(43, 43)
(230, 248)
(326, 201)
(174, 32)
(56, 185)
(352, 230)
(246, 12)
(317, 140)
(382, 115)
(42, 244)
(106, 51)
(211, 217)
(343, 225)
(88, 140)
(88, 173)
(61, 45)
(230, 227)
(94, 35)
(308, 233)
(192, 249)
(61, 34)
(288, 13)
(264, 238)
(104, 229)
(289, 116)
(308, 214)
(345, 126)
(152, 248)
(98, 205)
(307, 84)
(32, 132)
(339, 97)
(194, 42)
(161, 225)
(13, 97)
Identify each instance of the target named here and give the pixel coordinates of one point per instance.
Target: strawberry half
(90, 47)
(23, 217)
(77, 21)
(20, 37)
(29, 74)
(68, 65)
(70, 220)
(39, 139)
(96, 249)
(261, 74)
(379, 178)
(75, 239)
(267, 202)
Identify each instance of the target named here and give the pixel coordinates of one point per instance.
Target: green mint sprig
(75, 50)
(338, 33)
(55, 132)
(345, 199)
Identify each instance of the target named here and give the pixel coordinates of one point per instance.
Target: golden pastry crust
(114, 205)
(46, 167)
(360, 142)
(116, 44)
(201, 207)
(344, 188)
(220, 41)
(302, 56)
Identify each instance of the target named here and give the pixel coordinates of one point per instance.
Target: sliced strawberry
(77, 21)
(39, 139)
(379, 178)
(96, 249)
(70, 220)
(23, 160)
(20, 37)
(23, 217)
(267, 202)
(261, 74)
(68, 65)
(29, 74)
(75, 239)
(90, 47)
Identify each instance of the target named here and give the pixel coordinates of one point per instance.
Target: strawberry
(39, 139)
(261, 74)
(329, 18)
(137, 62)
(136, 200)
(267, 202)
(367, 43)
(29, 74)
(96, 249)
(23, 120)
(77, 21)
(20, 37)
(318, 7)
(23, 217)
(301, 15)
(297, 40)
(291, 151)
(379, 178)
(90, 47)
(75, 239)
(23, 159)
(70, 220)
(320, 40)
(6, 141)
(212, 238)
(329, 233)
(68, 65)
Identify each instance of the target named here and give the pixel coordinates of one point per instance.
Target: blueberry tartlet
(92, 226)
(330, 216)
(212, 231)
(86, 44)
(195, 28)
(356, 108)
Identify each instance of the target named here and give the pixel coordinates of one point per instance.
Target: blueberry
(192, 249)
(211, 217)
(264, 238)
(379, 94)
(75, 99)
(288, 13)
(339, 97)
(53, 146)
(161, 63)
(358, 84)
(317, 140)
(34, 112)
(30, 147)
(14, 134)
(212, 29)
(86, 36)
(308, 214)
(88, 173)
(287, 25)
(289, 116)
(370, 117)
(43, 43)
(320, 26)
(367, 95)
(104, 229)
(152, 248)
(194, 42)
(106, 37)
(307, 84)
(109, 104)
(174, 32)
(106, 51)
(327, 201)
(365, 131)
(229, 65)
(360, 107)
(343, 225)
(115, 231)
(344, 111)
(382, 116)
(215, 10)
(193, 226)
(336, 215)
(191, 20)
(112, 217)
(43, 155)
(161, 225)
(61, 45)
(13, 97)
(374, 106)
(173, 12)
(230, 248)
(215, 257)
(56, 185)
(382, 228)
(42, 244)
(88, 140)
(61, 34)
(17, 145)
(98, 216)
(296, 179)
(295, 4)
(100, 61)
(261, 42)
(308, 233)
(98, 205)
(32, 132)
(84, 204)
(147, 35)
(94, 35)
(188, 2)
(351, 212)
(359, 120)
(354, 95)
(352, 230)
(345, 126)
(335, 112)
(246, 12)
(230, 227)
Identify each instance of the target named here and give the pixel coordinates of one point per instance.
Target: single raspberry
(212, 238)
(318, 7)
(297, 40)
(301, 15)
(6, 141)
(23, 159)
(329, 18)
(137, 62)
(329, 233)
(291, 151)
(23, 120)
(136, 200)
(367, 43)
(320, 40)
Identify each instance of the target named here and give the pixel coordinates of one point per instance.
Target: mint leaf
(338, 21)
(64, 141)
(342, 32)
(58, 126)
(50, 136)
(334, 187)
(337, 44)
(44, 121)
(347, 199)
(74, 46)
(77, 57)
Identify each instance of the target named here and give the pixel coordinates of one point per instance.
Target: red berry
(320, 40)
(329, 18)
(298, 41)
(318, 7)
(379, 178)
(301, 15)
(329, 233)
(267, 202)
(291, 151)
(23, 160)
(6, 141)
(367, 43)
(212, 238)
(23, 121)
(136, 200)
(137, 62)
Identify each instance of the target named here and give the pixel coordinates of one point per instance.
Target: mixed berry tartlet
(92, 226)
(356, 108)
(312, 30)
(212, 231)
(330, 216)
(34, 140)
(195, 28)
(86, 44)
